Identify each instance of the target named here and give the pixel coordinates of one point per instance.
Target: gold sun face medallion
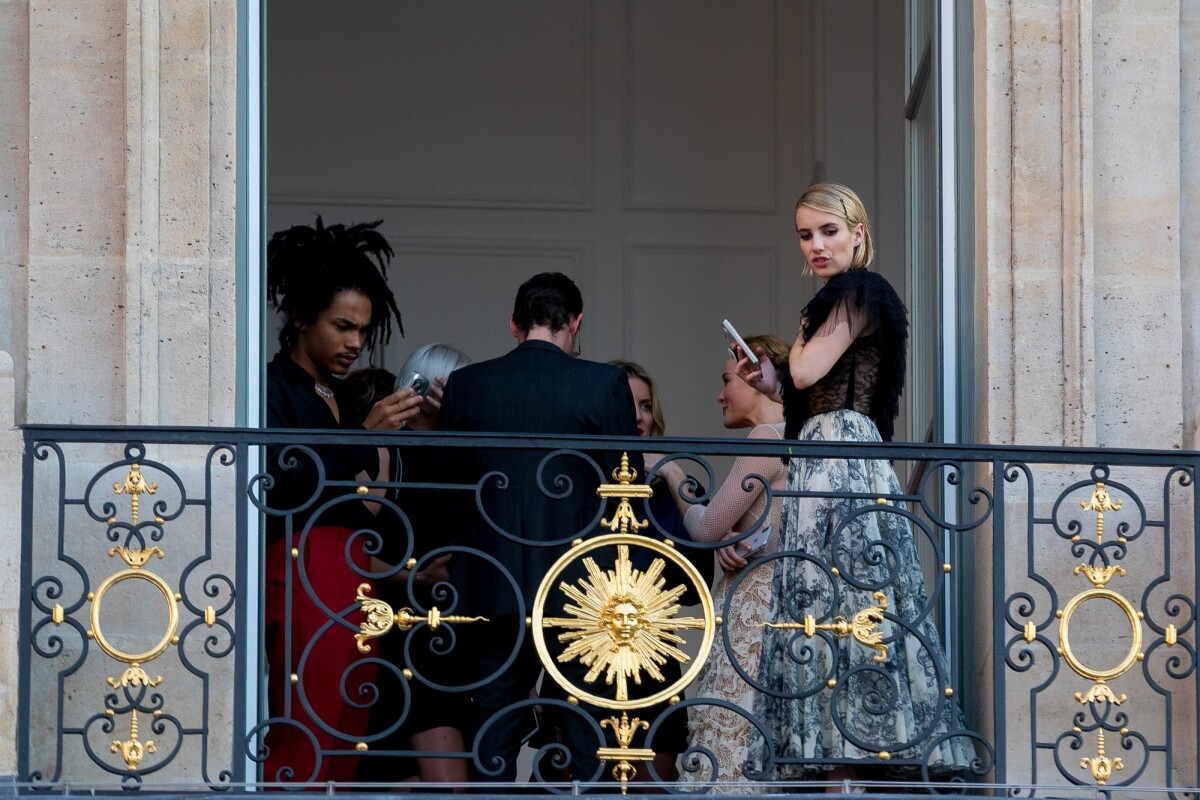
(620, 621)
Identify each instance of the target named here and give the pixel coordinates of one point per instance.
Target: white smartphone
(734, 338)
(753, 544)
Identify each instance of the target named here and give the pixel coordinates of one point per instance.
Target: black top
(535, 388)
(293, 403)
(869, 376)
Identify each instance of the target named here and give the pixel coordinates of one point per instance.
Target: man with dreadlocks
(330, 285)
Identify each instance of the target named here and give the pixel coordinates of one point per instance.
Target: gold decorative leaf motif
(864, 627)
(1099, 576)
(378, 618)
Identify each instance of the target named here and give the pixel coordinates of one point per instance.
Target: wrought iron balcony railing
(223, 608)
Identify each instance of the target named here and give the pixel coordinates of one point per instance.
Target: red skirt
(317, 721)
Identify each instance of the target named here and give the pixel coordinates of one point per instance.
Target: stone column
(117, 221)
(1078, 218)
(1189, 135)
(130, 304)
(1083, 311)
(10, 565)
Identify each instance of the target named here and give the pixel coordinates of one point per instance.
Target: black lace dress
(846, 551)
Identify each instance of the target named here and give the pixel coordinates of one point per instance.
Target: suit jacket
(535, 388)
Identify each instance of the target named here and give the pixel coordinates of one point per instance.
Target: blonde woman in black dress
(843, 381)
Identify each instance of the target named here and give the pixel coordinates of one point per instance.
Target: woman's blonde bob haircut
(841, 201)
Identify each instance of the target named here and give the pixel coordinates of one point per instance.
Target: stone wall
(117, 231)
(1088, 256)
(117, 223)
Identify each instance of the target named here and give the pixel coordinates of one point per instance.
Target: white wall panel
(677, 297)
(461, 293)
(672, 139)
(702, 105)
(423, 103)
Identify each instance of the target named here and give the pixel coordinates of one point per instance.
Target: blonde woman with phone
(830, 708)
(741, 505)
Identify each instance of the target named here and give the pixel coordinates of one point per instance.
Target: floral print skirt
(720, 736)
(827, 700)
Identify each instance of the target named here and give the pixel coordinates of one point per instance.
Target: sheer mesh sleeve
(875, 312)
(734, 505)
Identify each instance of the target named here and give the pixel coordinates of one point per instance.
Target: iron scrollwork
(141, 729)
(1110, 704)
(605, 621)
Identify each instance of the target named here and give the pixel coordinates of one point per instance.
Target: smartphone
(415, 381)
(753, 544)
(732, 336)
(535, 725)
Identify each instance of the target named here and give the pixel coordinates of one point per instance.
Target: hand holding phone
(415, 381)
(753, 544)
(735, 340)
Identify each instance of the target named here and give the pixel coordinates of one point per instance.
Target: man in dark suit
(532, 506)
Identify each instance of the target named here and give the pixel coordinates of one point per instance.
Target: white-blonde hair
(435, 361)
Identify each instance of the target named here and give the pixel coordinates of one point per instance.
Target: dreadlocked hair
(309, 265)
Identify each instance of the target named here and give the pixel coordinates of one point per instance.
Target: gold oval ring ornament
(172, 615)
(1064, 639)
(621, 621)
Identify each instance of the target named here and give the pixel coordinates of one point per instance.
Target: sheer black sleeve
(876, 312)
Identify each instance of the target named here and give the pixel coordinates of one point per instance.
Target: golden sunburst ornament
(621, 621)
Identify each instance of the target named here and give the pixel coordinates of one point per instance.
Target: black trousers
(498, 735)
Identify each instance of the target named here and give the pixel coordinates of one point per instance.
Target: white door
(651, 150)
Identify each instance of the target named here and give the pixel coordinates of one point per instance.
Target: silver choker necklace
(324, 391)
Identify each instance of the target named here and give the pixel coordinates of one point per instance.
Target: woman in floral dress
(739, 508)
(828, 703)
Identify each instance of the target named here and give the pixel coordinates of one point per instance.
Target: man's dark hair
(550, 299)
(308, 265)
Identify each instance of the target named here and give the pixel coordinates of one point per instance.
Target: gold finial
(624, 473)
(1102, 766)
(1100, 502)
(132, 750)
(135, 484)
(864, 627)
(624, 520)
(378, 618)
(623, 731)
